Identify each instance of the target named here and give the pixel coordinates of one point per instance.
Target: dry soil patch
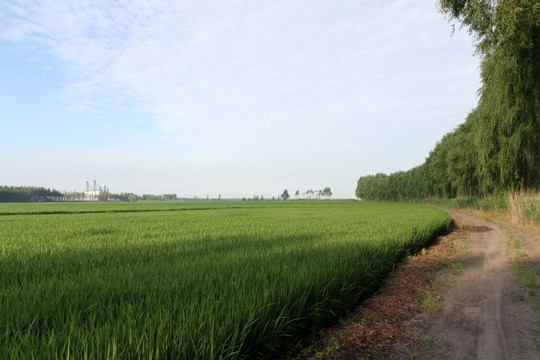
(483, 315)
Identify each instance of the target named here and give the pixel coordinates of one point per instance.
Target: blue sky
(237, 98)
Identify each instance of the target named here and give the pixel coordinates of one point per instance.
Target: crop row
(230, 282)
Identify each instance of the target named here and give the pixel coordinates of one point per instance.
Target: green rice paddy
(208, 280)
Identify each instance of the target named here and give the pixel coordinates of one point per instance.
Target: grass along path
(524, 252)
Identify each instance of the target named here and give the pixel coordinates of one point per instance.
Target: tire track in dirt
(483, 316)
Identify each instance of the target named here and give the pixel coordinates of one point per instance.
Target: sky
(230, 97)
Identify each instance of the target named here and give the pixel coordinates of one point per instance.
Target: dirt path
(484, 309)
(483, 315)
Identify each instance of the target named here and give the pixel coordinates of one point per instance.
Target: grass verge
(526, 275)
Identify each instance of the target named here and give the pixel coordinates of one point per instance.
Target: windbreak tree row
(498, 146)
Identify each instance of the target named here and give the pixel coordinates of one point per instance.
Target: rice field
(212, 280)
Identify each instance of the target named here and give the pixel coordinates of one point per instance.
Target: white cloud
(254, 82)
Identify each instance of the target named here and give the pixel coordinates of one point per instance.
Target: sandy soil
(485, 310)
(483, 315)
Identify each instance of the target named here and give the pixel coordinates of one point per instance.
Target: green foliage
(431, 303)
(506, 122)
(27, 194)
(394, 187)
(331, 349)
(457, 266)
(327, 192)
(498, 146)
(130, 197)
(192, 281)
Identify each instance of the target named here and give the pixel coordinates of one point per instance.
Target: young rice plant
(190, 281)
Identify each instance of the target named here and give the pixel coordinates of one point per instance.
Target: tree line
(308, 194)
(498, 146)
(27, 194)
(41, 194)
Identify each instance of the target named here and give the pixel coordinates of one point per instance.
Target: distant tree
(25, 193)
(297, 193)
(103, 196)
(327, 192)
(285, 195)
(309, 194)
(219, 197)
(168, 197)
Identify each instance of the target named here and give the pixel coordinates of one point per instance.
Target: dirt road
(485, 310)
(484, 313)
